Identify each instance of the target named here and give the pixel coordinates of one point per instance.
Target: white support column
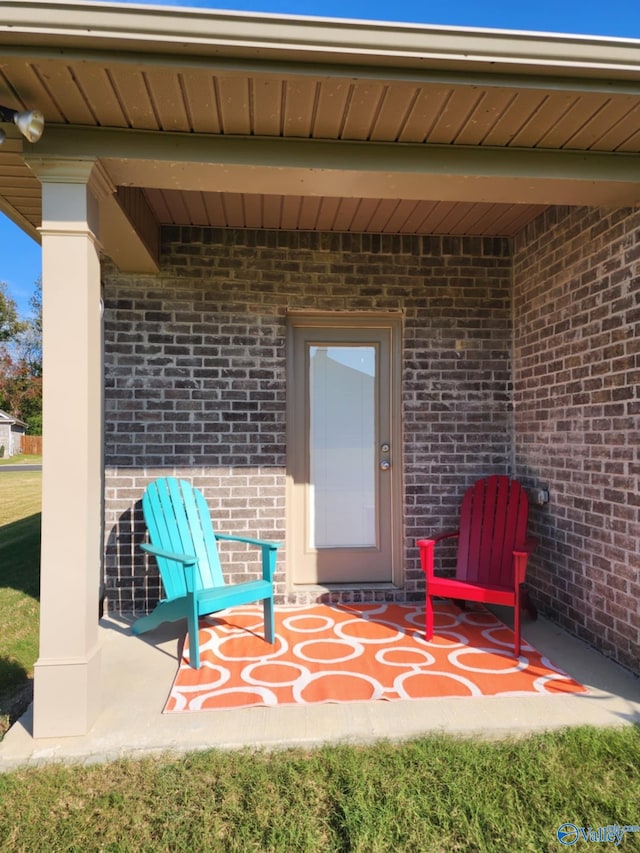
(67, 674)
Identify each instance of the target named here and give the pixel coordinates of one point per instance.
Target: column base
(67, 695)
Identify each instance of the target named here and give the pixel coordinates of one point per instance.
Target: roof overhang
(242, 120)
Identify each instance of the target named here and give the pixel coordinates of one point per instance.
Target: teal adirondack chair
(184, 543)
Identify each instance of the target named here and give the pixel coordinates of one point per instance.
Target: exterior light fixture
(30, 123)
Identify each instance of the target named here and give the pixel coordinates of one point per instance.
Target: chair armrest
(528, 547)
(427, 547)
(269, 552)
(261, 543)
(447, 534)
(521, 558)
(185, 559)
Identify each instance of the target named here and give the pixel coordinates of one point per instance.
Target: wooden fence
(31, 444)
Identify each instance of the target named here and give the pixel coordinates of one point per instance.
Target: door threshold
(345, 587)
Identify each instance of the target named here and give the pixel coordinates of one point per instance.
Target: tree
(20, 390)
(10, 324)
(21, 360)
(28, 343)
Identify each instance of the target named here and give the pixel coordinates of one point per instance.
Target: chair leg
(429, 618)
(269, 621)
(194, 645)
(516, 629)
(194, 634)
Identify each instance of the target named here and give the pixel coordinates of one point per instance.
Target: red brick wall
(577, 418)
(195, 378)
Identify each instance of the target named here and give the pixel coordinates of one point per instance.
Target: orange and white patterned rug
(358, 652)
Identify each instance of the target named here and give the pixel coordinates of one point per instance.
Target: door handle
(385, 465)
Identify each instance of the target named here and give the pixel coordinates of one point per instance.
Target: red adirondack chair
(493, 550)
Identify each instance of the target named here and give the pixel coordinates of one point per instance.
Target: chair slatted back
(493, 523)
(178, 520)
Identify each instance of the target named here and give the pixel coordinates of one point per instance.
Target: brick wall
(577, 422)
(195, 378)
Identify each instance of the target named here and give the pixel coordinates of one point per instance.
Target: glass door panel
(342, 446)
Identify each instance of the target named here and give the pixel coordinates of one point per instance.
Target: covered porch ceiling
(234, 120)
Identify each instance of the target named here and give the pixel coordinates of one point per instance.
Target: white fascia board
(184, 31)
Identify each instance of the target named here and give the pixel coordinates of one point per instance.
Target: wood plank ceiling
(191, 98)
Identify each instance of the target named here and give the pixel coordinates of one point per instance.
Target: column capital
(82, 170)
(72, 190)
(54, 170)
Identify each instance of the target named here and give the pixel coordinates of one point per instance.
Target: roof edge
(184, 30)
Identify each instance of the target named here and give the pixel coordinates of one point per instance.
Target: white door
(343, 448)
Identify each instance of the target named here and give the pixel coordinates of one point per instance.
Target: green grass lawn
(424, 796)
(21, 459)
(20, 496)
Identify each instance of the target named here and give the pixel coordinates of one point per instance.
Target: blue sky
(20, 255)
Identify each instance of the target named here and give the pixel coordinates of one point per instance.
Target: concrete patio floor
(138, 673)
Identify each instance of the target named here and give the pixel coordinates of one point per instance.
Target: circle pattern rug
(358, 652)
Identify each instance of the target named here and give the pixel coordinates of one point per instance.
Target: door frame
(392, 321)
